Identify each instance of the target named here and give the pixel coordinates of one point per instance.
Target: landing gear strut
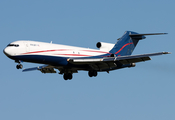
(19, 66)
(67, 76)
(92, 73)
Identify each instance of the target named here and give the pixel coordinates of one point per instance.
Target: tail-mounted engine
(105, 46)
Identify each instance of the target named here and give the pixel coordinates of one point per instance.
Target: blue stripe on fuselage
(42, 59)
(60, 61)
(50, 60)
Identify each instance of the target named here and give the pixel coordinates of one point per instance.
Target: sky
(145, 92)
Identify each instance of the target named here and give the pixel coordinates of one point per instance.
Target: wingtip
(166, 52)
(24, 70)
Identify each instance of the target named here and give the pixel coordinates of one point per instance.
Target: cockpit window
(15, 45)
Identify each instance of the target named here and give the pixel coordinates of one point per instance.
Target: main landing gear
(67, 76)
(92, 73)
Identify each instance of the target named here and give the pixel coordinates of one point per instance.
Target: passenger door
(27, 45)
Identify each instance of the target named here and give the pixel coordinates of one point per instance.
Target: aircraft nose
(6, 51)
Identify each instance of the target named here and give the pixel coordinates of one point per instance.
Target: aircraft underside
(66, 69)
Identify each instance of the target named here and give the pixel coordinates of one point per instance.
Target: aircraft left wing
(43, 69)
(110, 62)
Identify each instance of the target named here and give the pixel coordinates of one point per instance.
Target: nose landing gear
(19, 66)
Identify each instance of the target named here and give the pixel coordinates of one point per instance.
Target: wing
(51, 69)
(111, 63)
(43, 69)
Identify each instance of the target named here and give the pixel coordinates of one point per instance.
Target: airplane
(70, 59)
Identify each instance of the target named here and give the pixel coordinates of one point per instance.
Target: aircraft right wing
(122, 59)
(109, 62)
(99, 64)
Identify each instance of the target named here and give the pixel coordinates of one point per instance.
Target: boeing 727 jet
(69, 59)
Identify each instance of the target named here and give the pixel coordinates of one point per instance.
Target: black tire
(20, 66)
(90, 73)
(65, 77)
(17, 66)
(69, 75)
(95, 73)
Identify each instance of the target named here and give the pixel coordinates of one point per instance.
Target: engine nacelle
(105, 46)
(132, 65)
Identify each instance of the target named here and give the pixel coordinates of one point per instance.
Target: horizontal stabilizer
(142, 36)
(147, 34)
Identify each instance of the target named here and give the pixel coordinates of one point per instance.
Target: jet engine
(132, 65)
(105, 46)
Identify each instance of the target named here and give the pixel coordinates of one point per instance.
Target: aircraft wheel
(65, 77)
(90, 73)
(19, 66)
(94, 73)
(69, 76)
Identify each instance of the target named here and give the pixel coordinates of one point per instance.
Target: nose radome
(6, 51)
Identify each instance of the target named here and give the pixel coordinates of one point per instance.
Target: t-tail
(127, 43)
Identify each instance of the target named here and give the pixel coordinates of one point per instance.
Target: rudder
(126, 44)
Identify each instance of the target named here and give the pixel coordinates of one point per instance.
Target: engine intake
(98, 44)
(132, 65)
(105, 46)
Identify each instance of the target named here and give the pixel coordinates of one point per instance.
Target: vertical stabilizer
(126, 44)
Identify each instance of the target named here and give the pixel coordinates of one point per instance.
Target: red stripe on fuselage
(95, 51)
(73, 54)
(45, 51)
(123, 47)
(64, 50)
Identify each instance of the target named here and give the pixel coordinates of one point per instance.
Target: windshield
(16, 45)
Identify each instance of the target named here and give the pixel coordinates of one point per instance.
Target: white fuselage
(18, 48)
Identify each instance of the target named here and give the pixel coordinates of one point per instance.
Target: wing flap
(85, 60)
(48, 70)
(135, 60)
